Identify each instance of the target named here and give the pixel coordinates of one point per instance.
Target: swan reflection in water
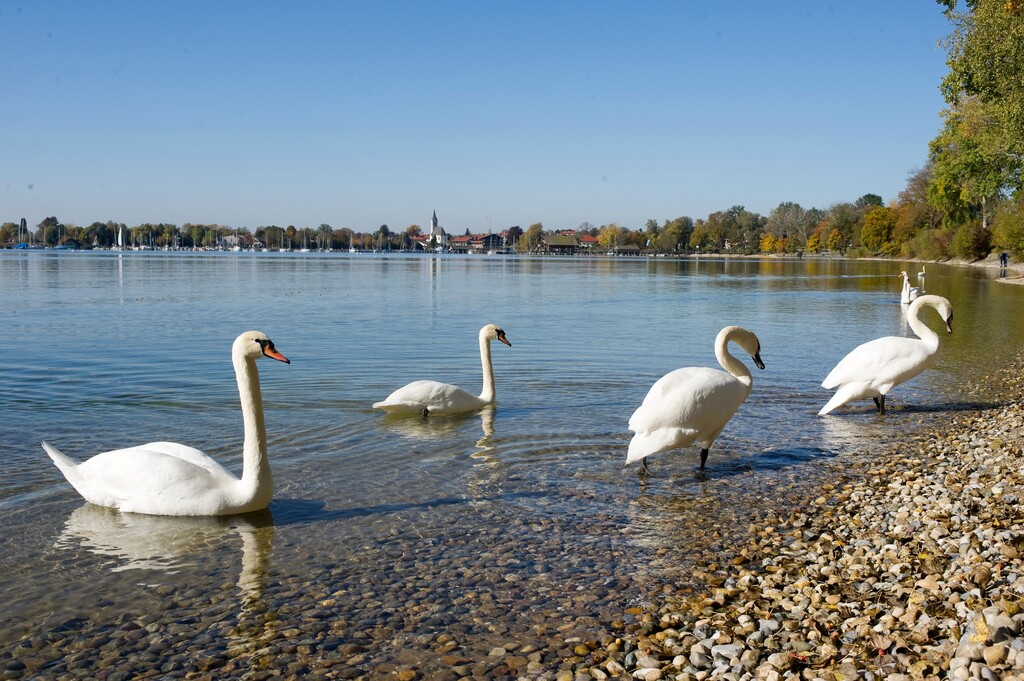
(134, 541)
(486, 465)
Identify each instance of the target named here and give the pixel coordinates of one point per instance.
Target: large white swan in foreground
(439, 399)
(874, 368)
(694, 404)
(909, 293)
(166, 478)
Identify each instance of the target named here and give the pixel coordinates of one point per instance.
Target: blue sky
(358, 114)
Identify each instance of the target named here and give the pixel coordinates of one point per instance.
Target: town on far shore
(908, 227)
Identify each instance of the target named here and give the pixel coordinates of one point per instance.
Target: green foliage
(986, 60)
(876, 232)
(979, 155)
(971, 241)
(930, 244)
(1008, 228)
(869, 201)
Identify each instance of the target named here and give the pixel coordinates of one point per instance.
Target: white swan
(166, 478)
(694, 404)
(909, 294)
(874, 368)
(920, 276)
(439, 399)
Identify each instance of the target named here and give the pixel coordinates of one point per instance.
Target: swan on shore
(694, 404)
(876, 367)
(909, 293)
(167, 478)
(434, 398)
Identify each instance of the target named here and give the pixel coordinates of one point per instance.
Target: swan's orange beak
(270, 351)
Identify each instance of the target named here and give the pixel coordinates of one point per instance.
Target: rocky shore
(912, 567)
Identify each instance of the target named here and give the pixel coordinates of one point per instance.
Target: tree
(513, 235)
(344, 237)
(1008, 227)
(835, 241)
(325, 236)
(531, 238)
(609, 236)
(700, 236)
(675, 234)
(869, 201)
(968, 171)
(652, 231)
(876, 231)
(986, 60)
(844, 219)
(8, 232)
(48, 231)
(790, 222)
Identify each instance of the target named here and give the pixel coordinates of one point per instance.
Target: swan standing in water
(909, 293)
(166, 478)
(440, 399)
(874, 368)
(694, 404)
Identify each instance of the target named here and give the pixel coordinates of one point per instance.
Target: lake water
(515, 527)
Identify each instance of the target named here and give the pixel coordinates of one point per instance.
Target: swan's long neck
(256, 477)
(919, 328)
(487, 395)
(730, 363)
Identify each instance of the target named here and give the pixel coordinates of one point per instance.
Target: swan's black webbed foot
(643, 468)
(426, 412)
(880, 403)
(703, 458)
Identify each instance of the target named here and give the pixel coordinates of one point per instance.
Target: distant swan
(909, 294)
(874, 368)
(694, 404)
(439, 399)
(166, 478)
(920, 275)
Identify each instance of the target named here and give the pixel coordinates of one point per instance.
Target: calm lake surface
(513, 527)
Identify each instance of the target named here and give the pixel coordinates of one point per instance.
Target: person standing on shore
(1004, 260)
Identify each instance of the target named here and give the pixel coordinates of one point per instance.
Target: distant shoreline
(989, 262)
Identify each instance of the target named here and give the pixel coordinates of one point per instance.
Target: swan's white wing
(883, 361)
(435, 397)
(160, 477)
(685, 406)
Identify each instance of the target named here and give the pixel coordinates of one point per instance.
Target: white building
(436, 233)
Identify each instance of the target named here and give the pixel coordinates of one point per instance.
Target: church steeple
(437, 232)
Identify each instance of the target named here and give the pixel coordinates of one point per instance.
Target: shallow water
(516, 525)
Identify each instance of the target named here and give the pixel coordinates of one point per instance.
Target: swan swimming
(167, 478)
(440, 399)
(909, 293)
(695, 403)
(874, 368)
